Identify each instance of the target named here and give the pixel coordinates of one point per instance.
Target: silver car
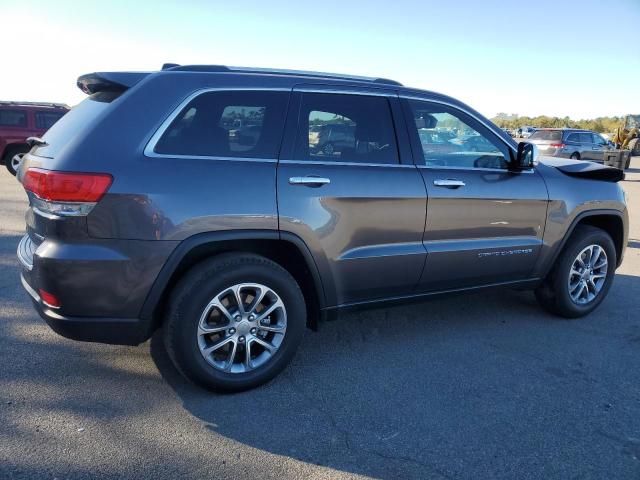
(570, 143)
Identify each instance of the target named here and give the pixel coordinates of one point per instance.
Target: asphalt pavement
(475, 386)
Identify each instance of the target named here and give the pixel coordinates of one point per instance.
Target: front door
(360, 205)
(485, 223)
(598, 147)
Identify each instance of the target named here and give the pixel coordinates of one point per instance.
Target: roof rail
(276, 71)
(34, 104)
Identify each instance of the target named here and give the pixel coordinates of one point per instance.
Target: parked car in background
(21, 120)
(331, 139)
(526, 131)
(570, 143)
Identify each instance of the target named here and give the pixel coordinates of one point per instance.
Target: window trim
(389, 95)
(155, 137)
(456, 108)
(23, 125)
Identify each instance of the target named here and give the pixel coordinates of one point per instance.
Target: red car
(21, 120)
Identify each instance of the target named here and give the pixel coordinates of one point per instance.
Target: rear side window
(13, 118)
(246, 124)
(45, 120)
(346, 128)
(573, 138)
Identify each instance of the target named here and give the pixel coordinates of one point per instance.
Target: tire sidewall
(186, 315)
(560, 283)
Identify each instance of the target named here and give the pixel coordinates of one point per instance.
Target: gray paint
(373, 233)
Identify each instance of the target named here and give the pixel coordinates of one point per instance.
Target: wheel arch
(611, 221)
(287, 250)
(10, 148)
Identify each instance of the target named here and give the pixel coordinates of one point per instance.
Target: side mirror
(527, 156)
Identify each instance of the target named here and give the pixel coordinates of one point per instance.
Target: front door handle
(449, 183)
(309, 181)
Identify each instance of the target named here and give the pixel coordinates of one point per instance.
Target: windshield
(546, 135)
(77, 120)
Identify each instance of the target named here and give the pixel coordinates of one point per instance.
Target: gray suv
(148, 210)
(570, 143)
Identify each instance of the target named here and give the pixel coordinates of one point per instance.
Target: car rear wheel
(13, 157)
(234, 322)
(582, 275)
(575, 156)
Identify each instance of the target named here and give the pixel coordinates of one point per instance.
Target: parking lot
(478, 386)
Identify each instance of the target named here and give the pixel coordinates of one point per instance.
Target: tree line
(600, 124)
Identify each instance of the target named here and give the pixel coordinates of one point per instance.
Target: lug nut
(253, 331)
(237, 318)
(241, 339)
(232, 331)
(251, 317)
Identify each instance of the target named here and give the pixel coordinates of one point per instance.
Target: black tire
(634, 146)
(196, 289)
(554, 294)
(328, 149)
(575, 156)
(10, 153)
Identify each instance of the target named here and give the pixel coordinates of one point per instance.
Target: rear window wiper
(36, 142)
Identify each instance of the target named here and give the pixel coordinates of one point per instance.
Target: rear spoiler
(109, 81)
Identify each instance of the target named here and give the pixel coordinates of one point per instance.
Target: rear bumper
(116, 331)
(100, 284)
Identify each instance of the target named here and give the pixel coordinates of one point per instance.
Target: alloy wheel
(588, 274)
(242, 328)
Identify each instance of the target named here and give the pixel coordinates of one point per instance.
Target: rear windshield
(546, 135)
(76, 121)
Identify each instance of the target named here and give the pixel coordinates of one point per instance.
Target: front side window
(13, 118)
(346, 128)
(45, 120)
(598, 140)
(448, 139)
(585, 137)
(245, 124)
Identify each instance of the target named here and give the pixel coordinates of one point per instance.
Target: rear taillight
(65, 193)
(557, 145)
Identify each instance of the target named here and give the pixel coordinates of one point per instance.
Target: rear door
(484, 222)
(360, 206)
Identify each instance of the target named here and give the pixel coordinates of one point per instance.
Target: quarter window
(13, 118)
(246, 124)
(448, 139)
(346, 128)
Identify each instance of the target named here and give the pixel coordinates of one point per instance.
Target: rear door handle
(309, 181)
(449, 183)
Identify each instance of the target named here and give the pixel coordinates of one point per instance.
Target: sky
(576, 58)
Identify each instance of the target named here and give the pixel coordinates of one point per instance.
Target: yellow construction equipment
(627, 135)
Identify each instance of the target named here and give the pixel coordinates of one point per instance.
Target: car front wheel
(234, 322)
(582, 275)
